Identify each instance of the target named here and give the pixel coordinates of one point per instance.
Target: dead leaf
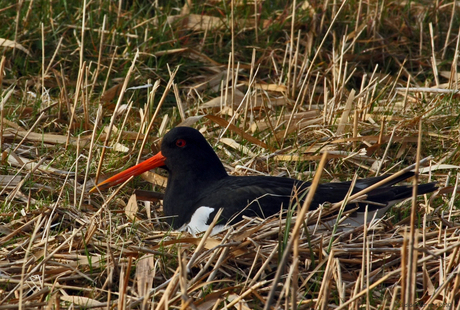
(154, 178)
(197, 22)
(44, 137)
(145, 272)
(24, 112)
(12, 124)
(375, 139)
(112, 93)
(235, 145)
(83, 301)
(131, 208)
(9, 180)
(223, 123)
(296, 126)
(209, 301)
(189, 121)
(269, 87)
(260, 101)
(13, 44)
(210, 243)
(224, 101)
(301, 116)
(438, 167)
(120, 148)
(148, 196)
(215, 80)
(125, 135)
(443, 191)
(241, 304)
(344, 119)
(449, 75)
(19, 161)
(171, 51)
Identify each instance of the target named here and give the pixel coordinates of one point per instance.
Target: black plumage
(197, 179)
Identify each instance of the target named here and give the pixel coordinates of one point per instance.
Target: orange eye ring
(181, 142)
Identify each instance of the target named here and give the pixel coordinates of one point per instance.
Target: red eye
(180, 142)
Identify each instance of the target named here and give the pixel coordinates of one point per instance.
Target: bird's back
(264, 196)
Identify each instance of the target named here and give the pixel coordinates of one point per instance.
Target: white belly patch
(198, 222)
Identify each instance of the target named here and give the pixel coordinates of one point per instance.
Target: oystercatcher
(198, 186)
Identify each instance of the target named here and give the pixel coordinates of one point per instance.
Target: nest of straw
(100, 258)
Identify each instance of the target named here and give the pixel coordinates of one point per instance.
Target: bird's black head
(187, 151)
(187, 156)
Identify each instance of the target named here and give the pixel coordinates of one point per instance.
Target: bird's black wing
(265, 196)
(378, 198)
(251, 196)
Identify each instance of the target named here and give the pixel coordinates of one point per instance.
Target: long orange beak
(153, 162)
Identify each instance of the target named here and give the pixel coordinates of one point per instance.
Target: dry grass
(369, 87)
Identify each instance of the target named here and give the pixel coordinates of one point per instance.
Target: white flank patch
(198, 222)
(373, 217)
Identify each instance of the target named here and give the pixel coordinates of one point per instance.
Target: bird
(198, 186)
